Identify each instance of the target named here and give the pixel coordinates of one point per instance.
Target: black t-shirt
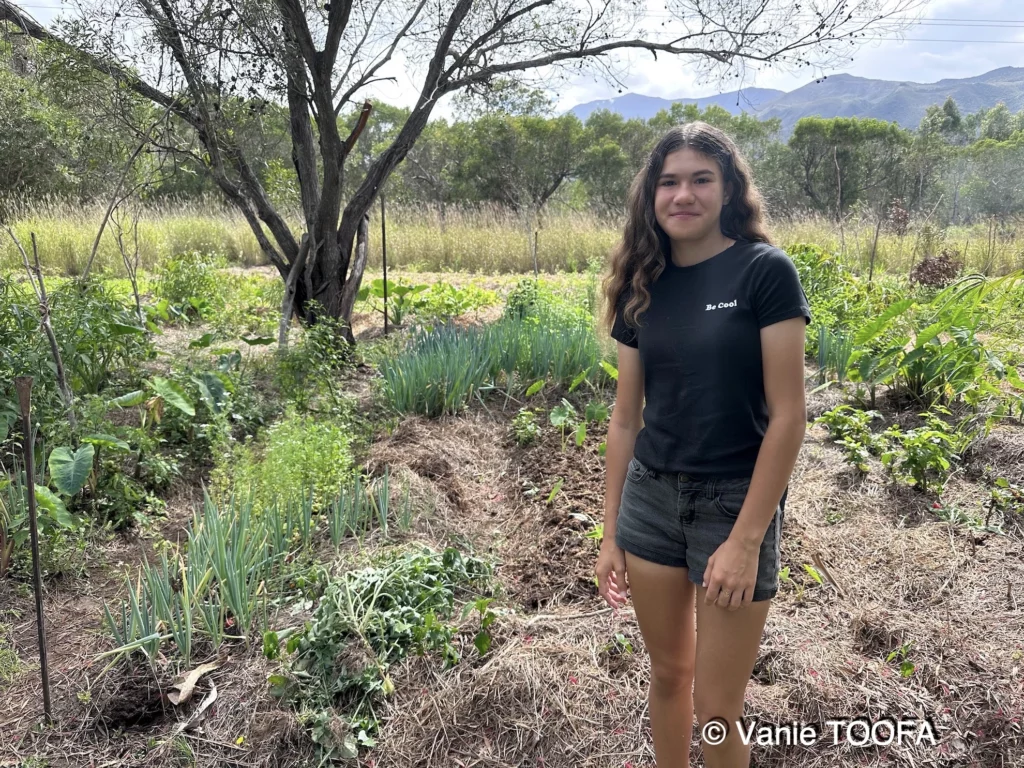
(700, 346)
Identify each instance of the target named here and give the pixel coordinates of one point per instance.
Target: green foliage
(190, 282)
(402, 299)
(933, 352)
(69, 471)
(439, 370)
(367, 621)
(849, 427)
(1008, 498)
(10, 664)
(249, 305)
(61, 538)
(443, 367)
(564, 417)
(523, 300)
(923, 457)
(309, 369)
(524, 426)
(443, 301)
(298, 453)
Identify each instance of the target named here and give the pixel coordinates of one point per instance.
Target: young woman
(710, 321)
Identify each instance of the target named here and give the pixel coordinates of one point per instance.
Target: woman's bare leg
(727, 645)
(663, 598)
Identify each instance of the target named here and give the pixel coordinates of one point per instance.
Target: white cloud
(672, 77)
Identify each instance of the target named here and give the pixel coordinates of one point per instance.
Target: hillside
(844, 96)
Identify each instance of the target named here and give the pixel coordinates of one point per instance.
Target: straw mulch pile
(902, 587)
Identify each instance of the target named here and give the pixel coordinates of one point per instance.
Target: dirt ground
(564, 685)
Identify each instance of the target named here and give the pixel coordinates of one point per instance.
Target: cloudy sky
(943, 39)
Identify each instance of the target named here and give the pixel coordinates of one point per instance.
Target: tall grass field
(483, 239)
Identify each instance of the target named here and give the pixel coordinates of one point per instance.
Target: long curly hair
(642, 254)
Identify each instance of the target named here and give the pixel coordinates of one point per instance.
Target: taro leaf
(597, 412)
(106, 441)
(138, 397)
(50, 503)
(555, 490)
(70, 471)
(581, 433)
(202, 342)
(536, 387)
(610, 369)
(258, 341)
(578, 380)
(123, 329)
(482, 641)
(211, 390)
(173, 394)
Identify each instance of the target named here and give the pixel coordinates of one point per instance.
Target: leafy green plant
(402, 299)
(933, 353)
(900, 655)
(368, 620)
(525, 427)
(52, 518)
(849, 427)
(483, 639)
(1007, 498)
(523, 300)
(564, 417)
(311, 368)
(190, 284)
(443, 301)
(98, 334)
(295, 454)
(922, 457)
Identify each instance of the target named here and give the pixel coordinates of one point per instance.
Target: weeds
(366, 622)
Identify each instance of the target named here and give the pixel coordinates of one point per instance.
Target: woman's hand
(731, 575)
(611, 573)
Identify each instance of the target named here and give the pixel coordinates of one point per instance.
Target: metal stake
(384, 258)
(24, 386)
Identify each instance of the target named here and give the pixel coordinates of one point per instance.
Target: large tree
(209, 61)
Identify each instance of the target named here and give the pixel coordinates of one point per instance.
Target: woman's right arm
(625, 424)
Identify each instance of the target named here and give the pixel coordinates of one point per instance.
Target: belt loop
(710, 486)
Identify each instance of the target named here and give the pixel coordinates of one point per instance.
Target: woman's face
(689, 196)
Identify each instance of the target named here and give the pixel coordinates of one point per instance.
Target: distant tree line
(68, 133)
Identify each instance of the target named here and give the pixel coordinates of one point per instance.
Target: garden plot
(385, 557)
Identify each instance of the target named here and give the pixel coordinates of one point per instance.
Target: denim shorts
(677, 520)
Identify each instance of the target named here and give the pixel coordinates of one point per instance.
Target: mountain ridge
(840, 95)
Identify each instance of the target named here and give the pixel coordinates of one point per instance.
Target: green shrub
(849, 427)
(443, 301)
(190, 282)
(309, 369)
(297, 454)
(367, 621)
(525, 427)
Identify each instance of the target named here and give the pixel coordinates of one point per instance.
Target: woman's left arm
(782, 352)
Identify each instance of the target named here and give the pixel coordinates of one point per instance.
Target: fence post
(384, 259)
(24, 386)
